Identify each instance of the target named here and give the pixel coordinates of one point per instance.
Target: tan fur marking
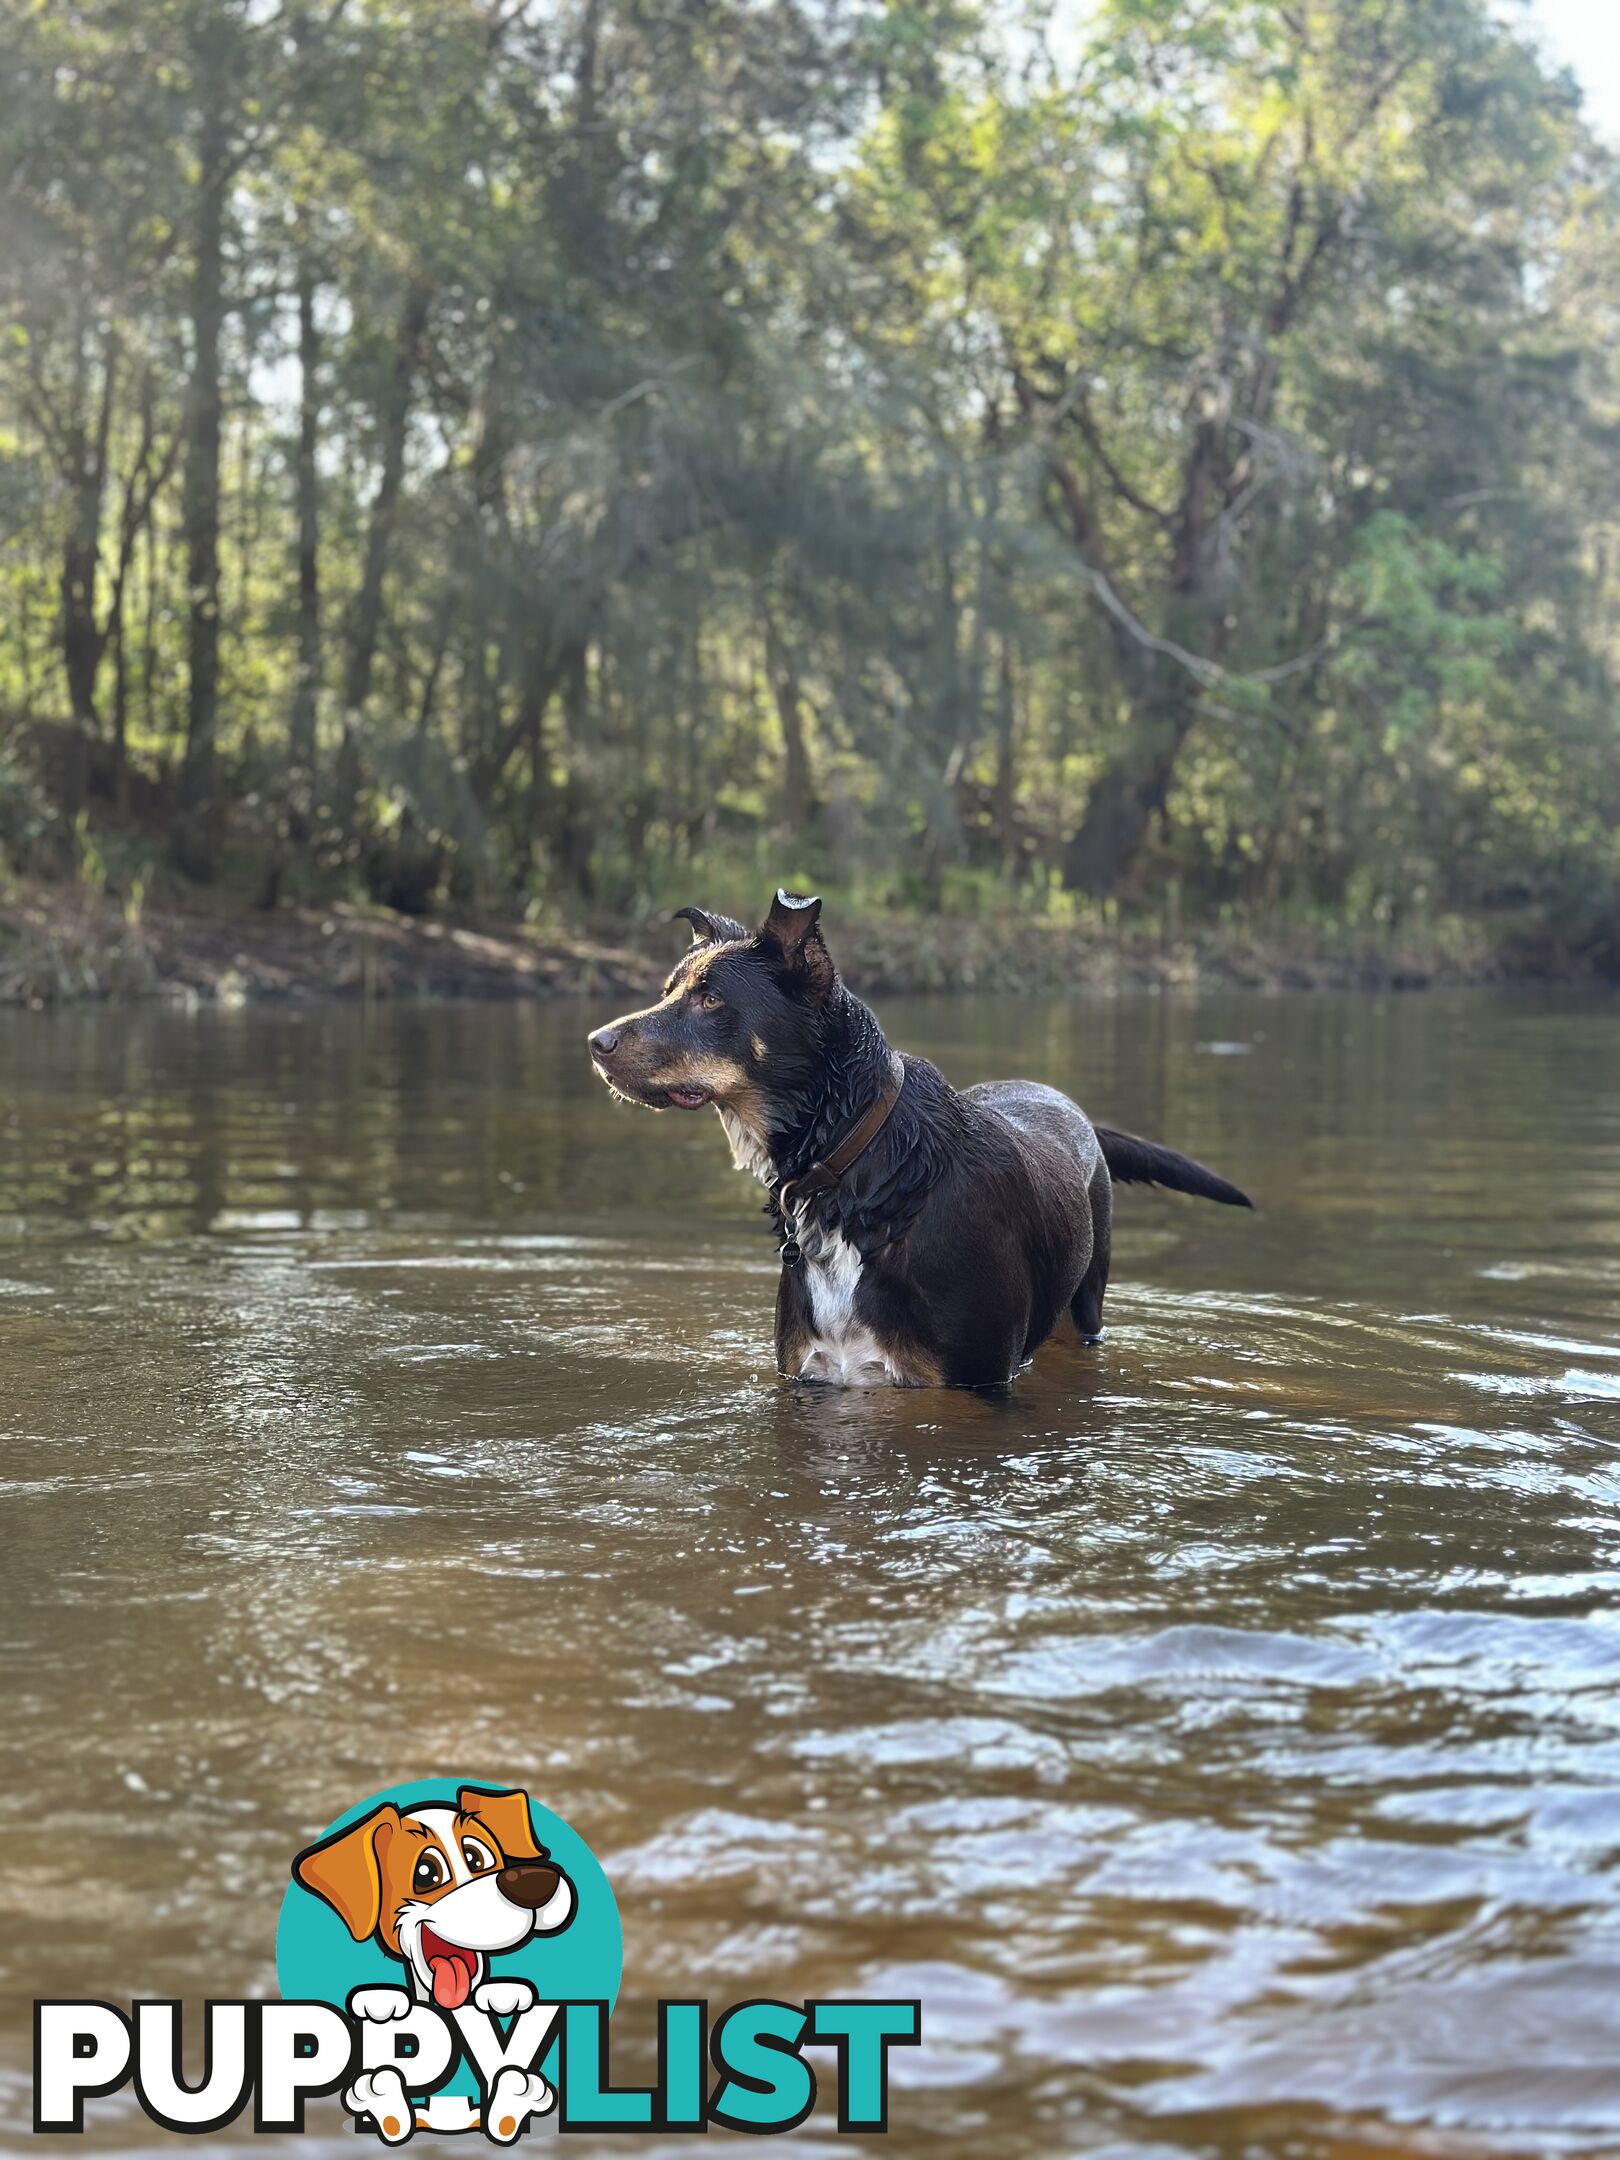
(917, 1368)
(715, 1075)
(687, 974)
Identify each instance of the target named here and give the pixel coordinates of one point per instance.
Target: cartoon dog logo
(443, 1890)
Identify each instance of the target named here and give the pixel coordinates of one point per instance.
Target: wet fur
(975, 1219)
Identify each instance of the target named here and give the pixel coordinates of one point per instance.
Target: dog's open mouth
(652, 1095)
(453, 1969)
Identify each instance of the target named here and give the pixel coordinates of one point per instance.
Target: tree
(471, 449)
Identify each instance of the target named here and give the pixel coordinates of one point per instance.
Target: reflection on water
(1220, 1733)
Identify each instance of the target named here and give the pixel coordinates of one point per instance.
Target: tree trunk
(1238, 393)
(149, 629)
(147, 476)
(799, 796)
(120, 702)
(82, 638)
(393, 419)
(428, 702)
(1132, 791)
(539, 680)
(306, 688)
(574, 824)
(486, 577)
(1005, 794)
(204, 418)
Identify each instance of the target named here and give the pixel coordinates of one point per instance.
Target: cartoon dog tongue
(452, 1969)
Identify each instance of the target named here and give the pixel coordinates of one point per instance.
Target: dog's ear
(346, 1870)
(792, 930)
(506, 1816)
(789, 921)
(708, 929)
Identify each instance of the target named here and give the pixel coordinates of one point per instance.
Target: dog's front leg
(381, 2095)
(514, 2099)
(795, 1329)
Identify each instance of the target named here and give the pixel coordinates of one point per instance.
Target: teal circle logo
(447, 1890)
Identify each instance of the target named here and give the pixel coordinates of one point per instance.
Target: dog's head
(442, 1888)
(740, 1021)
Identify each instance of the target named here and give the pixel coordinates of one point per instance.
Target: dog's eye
(711, 1003)
(478, 1857)
(430, 1872)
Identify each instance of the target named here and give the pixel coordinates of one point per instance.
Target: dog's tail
(1143, 1162)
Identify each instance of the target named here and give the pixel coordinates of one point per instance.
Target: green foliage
(956, 453)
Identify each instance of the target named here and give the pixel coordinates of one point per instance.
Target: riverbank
(63, 947)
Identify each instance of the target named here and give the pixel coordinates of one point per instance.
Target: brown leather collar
(821, 1176)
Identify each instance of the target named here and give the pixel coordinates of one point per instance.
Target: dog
(929, 1237)
(443, 1890)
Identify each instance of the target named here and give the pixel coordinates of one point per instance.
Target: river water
(1219, 1732)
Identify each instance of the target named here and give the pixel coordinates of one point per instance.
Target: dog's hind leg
(1087, 1302)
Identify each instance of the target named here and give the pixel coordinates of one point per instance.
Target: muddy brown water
(1219, 1733)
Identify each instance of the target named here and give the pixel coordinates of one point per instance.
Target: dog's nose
(604, 1042)
(529, 1883)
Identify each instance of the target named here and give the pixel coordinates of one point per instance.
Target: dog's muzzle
(623, 1056)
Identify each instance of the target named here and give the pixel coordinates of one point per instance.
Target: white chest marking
(842, 1350)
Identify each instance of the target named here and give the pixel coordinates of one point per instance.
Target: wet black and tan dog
(929, 1238)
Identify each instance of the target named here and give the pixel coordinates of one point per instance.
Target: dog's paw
(381, 2095)
(515, 2097)
(505, 1998)
(379, 2005)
